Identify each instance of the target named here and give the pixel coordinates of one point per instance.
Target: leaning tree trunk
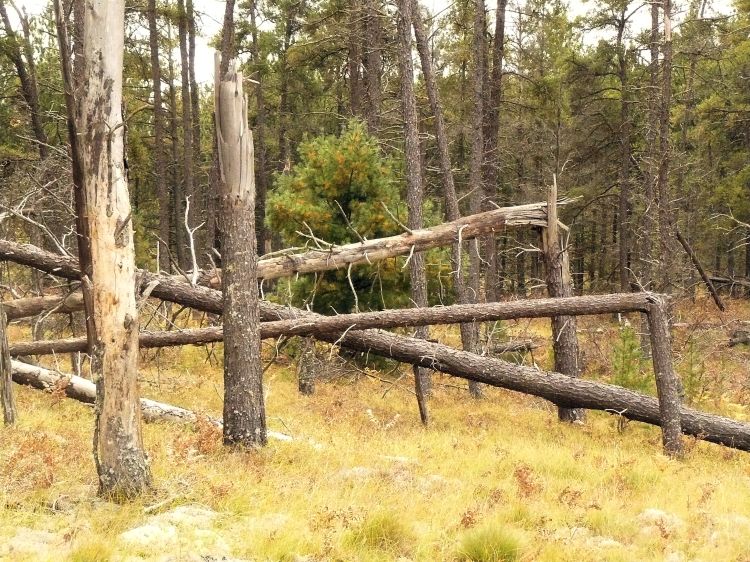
(244, 411)
(452, 211)
(118, 447)
(414, 186)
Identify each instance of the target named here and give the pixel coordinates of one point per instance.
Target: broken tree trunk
(394, 318)
(667, 383)
(559, 284)
(244, 410)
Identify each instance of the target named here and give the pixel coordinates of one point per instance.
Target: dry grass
(498, 479)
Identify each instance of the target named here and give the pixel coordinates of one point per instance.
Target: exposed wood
(667, 384)
(118, 445)
(559, 284)
(244, 410)
(701, 271)
(6, 387)
(394, 318)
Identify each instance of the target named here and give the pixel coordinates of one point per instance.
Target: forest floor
(362, 479)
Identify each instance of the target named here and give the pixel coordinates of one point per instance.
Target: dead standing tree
(244, 411)
(106, 245)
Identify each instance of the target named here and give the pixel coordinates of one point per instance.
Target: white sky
(211, 13)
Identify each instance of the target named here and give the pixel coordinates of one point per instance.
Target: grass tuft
(492, 542)
(382, 530)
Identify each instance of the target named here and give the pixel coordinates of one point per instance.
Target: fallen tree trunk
(702, 272)
(454, 314)
(555, 387)
(32, 306)
(520, 346)
(84, 390)
(323, 259)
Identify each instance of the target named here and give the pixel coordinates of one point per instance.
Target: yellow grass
(498, 479)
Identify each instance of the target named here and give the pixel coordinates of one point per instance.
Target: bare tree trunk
(559, 284)
(6, 376)
(176, 233)
(414, 185)
(113, 316)
(187, 135)
(160, 168)
(476, 198)
(244, 410)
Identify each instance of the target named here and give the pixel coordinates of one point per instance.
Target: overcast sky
(211, 13)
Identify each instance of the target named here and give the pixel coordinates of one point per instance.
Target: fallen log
(555, 387)
(702, 272)
(453, 314)
(32, 306)
(84, 390)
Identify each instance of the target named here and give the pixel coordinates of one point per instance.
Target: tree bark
(666, 211)
(373, 63)
(492, 148)
(6, 382)
(702, 272)
(261, 170)
(121, 461)
(624, 205)
(414, 186)
(244, 410)
(559, 284)
(160, 164)
(476, 160)
(667, 383)
(394, 318)
(187, 136)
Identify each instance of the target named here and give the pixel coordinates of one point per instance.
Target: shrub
(382, 531)
(628, 363)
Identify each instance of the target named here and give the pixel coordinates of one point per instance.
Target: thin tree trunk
(666, 211)
(244, 410)
(414, 185)
(160, 168)
(354, 58)
(187, 136)
(476, 159)
(373, 62)
(492, 152)
(624, 206)
(261, 170)
(176, 233)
